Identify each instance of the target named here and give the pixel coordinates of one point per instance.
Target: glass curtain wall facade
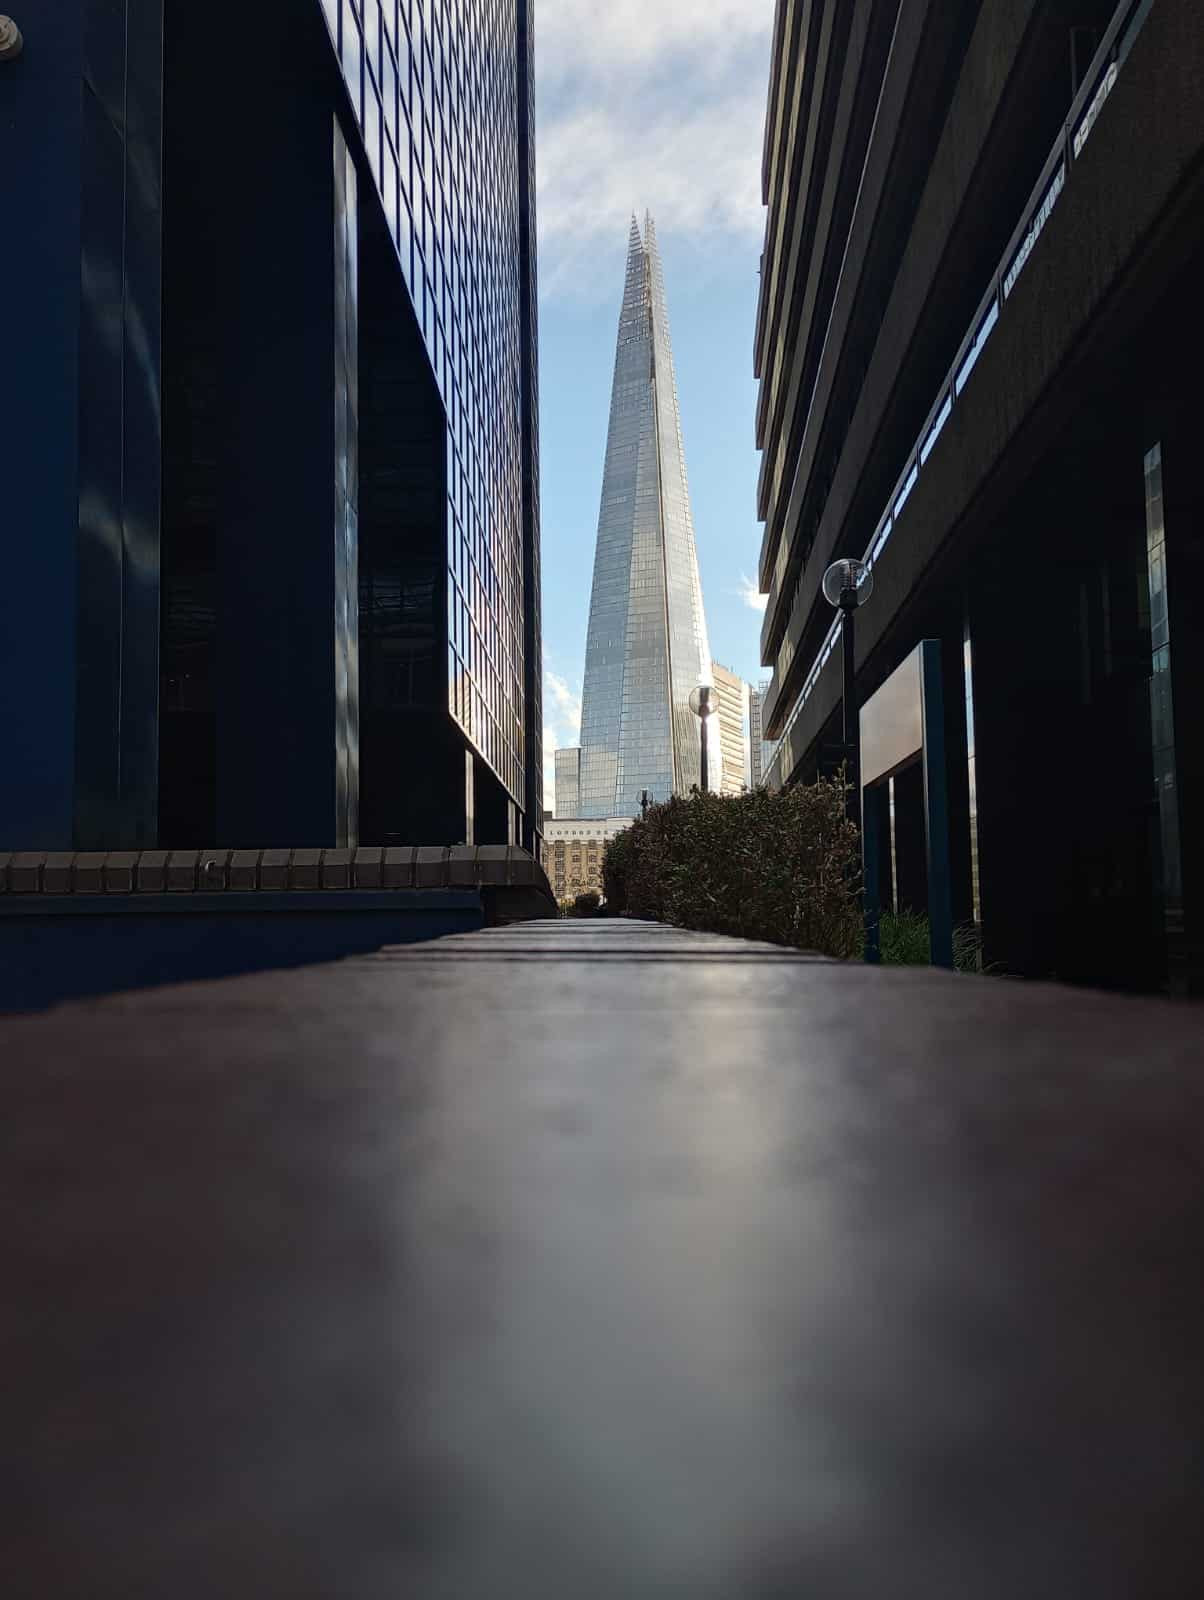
(756, 723)
(442, 93)
(277, 482)
(528, 350)
(568, 783)
(646, 645)
(761, 749)
(1168, 857)
(346, 492)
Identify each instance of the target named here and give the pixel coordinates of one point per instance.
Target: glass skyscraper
(443, 95)
(275, 398)
(761, 749)
(646, 647)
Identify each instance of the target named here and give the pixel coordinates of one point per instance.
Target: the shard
(646, 647)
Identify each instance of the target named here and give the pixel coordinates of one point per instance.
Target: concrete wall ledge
(232, 904)
(68, 937)
(225, 872)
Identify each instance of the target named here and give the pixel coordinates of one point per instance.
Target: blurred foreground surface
(597, 1258)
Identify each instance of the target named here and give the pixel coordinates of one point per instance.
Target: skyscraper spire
(646, 647)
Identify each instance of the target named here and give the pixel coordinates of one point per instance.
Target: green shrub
(967, 949)
(586, 905)
(616, 868)
(904, 940)
(781, 867)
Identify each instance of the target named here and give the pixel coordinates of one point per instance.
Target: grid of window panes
(534, 604)
(623, 582)
(434, 84)
(689, 649)
(646, 644)
(574, 853)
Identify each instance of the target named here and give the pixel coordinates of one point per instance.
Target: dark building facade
(979, 345)
(270, 408)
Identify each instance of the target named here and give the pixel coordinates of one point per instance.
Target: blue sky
(657, 105)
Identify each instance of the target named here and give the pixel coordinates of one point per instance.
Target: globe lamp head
(704, 701)
(848, 584)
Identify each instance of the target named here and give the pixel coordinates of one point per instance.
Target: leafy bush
(616, 868)
(586, 905)
(781, 867)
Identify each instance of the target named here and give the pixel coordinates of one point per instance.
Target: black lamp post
(704, 702)
(847, 585)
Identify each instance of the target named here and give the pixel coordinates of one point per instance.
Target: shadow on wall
(48, 956)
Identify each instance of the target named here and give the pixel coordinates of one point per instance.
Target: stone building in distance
(733, 729)
(573, 850)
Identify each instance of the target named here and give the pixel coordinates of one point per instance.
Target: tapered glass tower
(646, 648)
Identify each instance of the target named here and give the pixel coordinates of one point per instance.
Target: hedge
(782, 867)
(582, 905)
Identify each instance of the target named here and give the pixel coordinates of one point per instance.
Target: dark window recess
(402, 565)
(1084, 42)
(189, 593)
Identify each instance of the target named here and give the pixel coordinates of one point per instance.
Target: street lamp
(11, 42)
(847, 585)
(704, 703)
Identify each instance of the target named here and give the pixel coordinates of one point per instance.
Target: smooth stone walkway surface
(600, 1259)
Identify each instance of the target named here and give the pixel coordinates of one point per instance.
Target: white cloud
(646, 105)
(627, 33)
(550, 746)
(566, 705)
(751, 595)
(561, 726)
